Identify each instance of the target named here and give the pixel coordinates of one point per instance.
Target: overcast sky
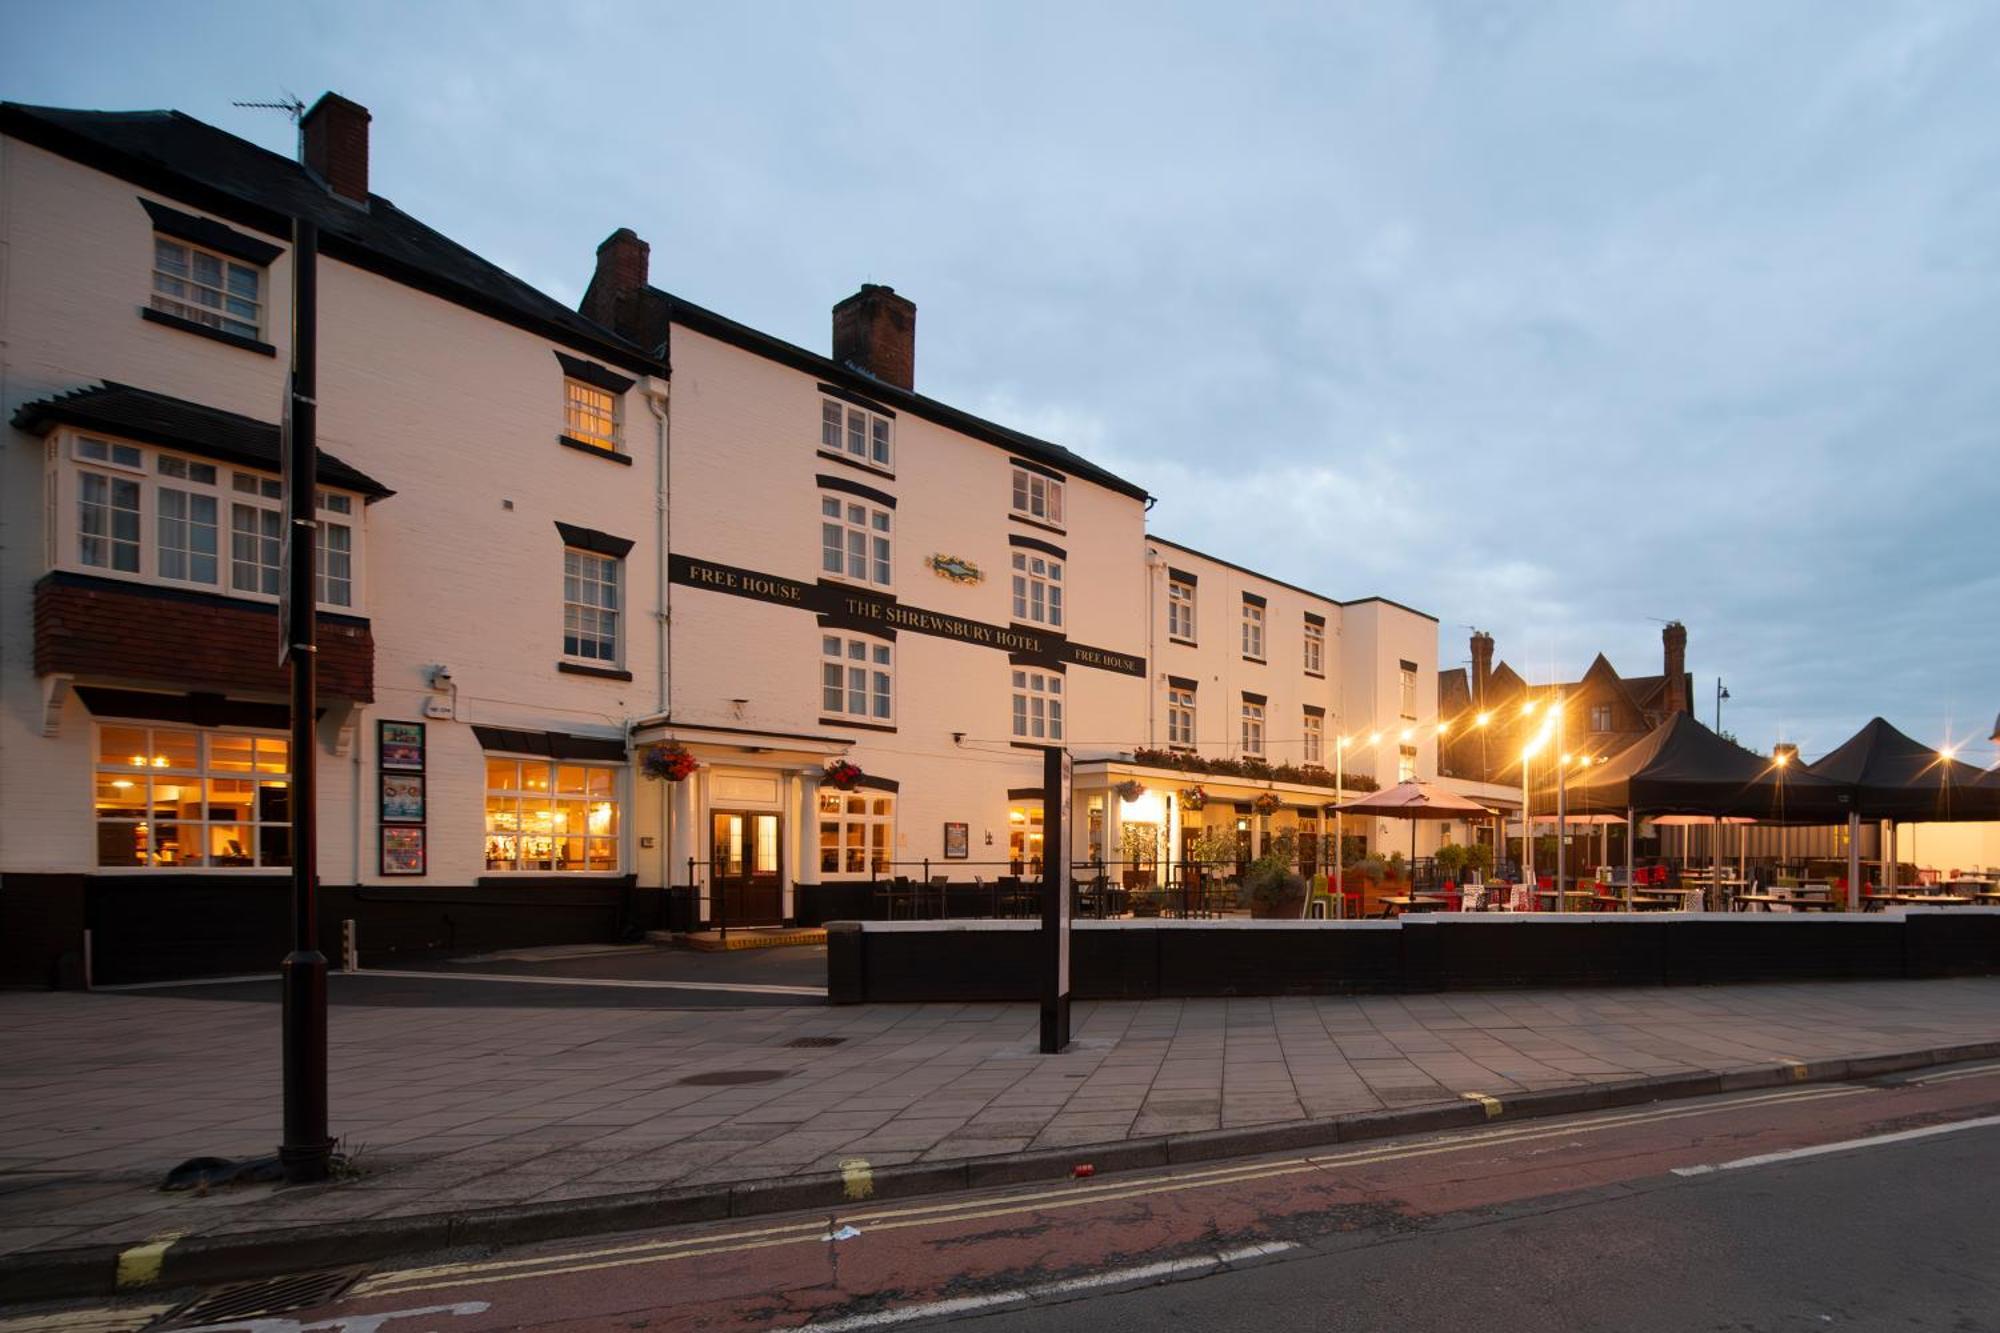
(1558, 320)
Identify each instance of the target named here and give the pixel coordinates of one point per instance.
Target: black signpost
(1056, 781)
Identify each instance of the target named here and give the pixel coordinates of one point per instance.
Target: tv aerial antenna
(291, 106)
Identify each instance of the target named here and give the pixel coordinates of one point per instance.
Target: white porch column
(802, 809)
(680, 828)
(1114, 834)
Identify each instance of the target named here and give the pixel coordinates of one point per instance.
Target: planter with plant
(1272, 888)
(1138, 846)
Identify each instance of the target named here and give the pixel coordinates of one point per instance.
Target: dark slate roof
(175, 423)
(664, 307)
(210, 169)
(1454, 690)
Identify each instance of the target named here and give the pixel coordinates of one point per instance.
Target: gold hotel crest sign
(956, 569)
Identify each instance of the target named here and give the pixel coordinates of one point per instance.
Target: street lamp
(1339, 843)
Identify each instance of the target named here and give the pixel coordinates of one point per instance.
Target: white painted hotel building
(553, 544)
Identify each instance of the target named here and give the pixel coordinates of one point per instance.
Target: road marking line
(812, 992)
(1021, 1295)
(1847, 1145)
(1492, 1104)
(1983, 1071)
(105, 1319)
(857, 1179)
(191, 981)
(465, 1274)
(139, 1266)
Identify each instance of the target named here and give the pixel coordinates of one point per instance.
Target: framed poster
(400, 746)
(957, 841)
(402, 798)
(402, 851)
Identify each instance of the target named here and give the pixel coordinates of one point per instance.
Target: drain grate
(804, 1042)
(728, 1078)
(254, 1300)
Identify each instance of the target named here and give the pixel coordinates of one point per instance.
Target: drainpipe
(663, 626)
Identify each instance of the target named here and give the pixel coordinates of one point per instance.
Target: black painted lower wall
(147, 928)
(1417, 954)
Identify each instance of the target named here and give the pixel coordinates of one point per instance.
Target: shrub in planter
(1272, 888)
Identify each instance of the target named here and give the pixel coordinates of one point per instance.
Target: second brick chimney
(612, 299)
(1482, 666)
(334, 142)
(875, 330)
(1675, 640)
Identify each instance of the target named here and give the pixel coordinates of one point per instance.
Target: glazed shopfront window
(856, 831)
(551, 818)
(172, 798)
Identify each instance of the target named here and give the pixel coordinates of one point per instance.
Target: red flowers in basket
(843, 774)
(667, 763)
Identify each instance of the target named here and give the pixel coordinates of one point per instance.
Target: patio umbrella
(1896, 778)
(1414, 800)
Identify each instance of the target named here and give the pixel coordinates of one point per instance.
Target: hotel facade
(561, 551)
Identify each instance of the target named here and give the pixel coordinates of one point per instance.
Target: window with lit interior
(590, 414)
(184, 798)
(550, 818)
(856, 831)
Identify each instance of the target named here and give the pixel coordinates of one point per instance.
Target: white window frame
(1036, 704)
(1408, 690)
(863, 825)
(1313, 748)
(72, 456)
(1180, 610)
(155, 767)
(1406, 763)
(1038, 498)
(1253, 631)
(857, 540)
(858, 435)
(857, 678)
(1315, 649)
(584, 597)
(593, 415)
(1038, 588)
(558, 805)
(224, 317)
(1253, 717)
(1180, 717)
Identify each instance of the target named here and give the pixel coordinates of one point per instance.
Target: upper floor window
(857, 677)
(1180, 716)
(1600, 717)
(1315, 656)
(1038, 593)
(1408, 685)
(1253, 727)
(187, 798)
(1180, 610)
(1406, 763)
(1253, 630)
(1315, 738)
(206, 288)
(161, 516)
(854, 541)
(1038, 705)
(1038, 497)
(590, 606)
(590, 414)
(855, 433)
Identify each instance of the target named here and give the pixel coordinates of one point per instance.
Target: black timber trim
(593, 374)
(584, 669)
(63, 578)
(1250, 698)
(1181, 576)
(1405, 664)
(1039, 469)
(1316, 596)
(873, 783)
(548, 744)
(1039, 663)
(845, 486)
(1254, 599)
(200, 330)
(1037, 544)
(209, 234)
(1025, 793)
(849, 396)
(1314, 710)
(194, 709)
(845, 624)
(1314, 618)
(1037, 523)
(859, 466)
(858, 726)
(594, 450)
(590, 539)
(1183, 683)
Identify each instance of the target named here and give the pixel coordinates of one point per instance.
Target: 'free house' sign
(859, 608)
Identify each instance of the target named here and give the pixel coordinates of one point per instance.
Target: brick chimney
(1675, 639)
(1482, 666)
(875, 330)
(334, 135)
(612, 299)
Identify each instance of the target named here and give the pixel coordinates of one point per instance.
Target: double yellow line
(443, 1276)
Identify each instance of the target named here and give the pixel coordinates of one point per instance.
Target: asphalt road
(1663, 1217)
(633, 977)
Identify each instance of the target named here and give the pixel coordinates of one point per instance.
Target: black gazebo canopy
(1894, 777)
(1683, 768)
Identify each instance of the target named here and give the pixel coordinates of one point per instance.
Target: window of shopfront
(856, 831)
(1024, 839)
(551, 818)
(171, 798)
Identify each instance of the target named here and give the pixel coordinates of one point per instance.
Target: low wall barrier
(923, 961)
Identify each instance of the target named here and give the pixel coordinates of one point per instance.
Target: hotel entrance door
(744, 867)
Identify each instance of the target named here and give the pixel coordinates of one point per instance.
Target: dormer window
(206, 288)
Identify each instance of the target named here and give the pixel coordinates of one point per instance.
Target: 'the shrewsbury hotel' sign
(838, 604)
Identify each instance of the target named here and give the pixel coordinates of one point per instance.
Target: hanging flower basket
(1130, 790)
(1268, 803)
(1193, 798)
(842, 774)
(666, 763)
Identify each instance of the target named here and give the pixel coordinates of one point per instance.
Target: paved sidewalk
(454, 1108)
